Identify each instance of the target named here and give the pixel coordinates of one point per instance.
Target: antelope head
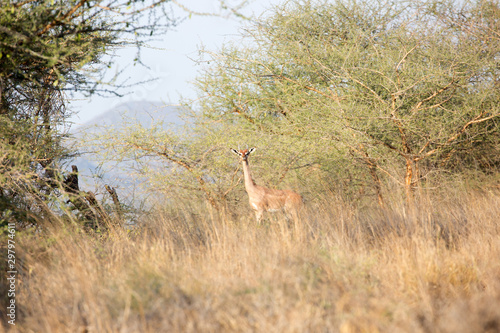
(243, 154)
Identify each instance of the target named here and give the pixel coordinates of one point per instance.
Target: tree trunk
(372, 169)
(409, 180)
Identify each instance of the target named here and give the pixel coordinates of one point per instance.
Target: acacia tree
(399, 89)
(49, 49)
(187, 165)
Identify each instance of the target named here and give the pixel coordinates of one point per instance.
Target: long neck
(249, 184)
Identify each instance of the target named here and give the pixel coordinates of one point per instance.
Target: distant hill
(143, 112)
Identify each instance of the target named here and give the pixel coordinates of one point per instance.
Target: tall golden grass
(434, 268)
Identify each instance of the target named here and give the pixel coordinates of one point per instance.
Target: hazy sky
(169, 58)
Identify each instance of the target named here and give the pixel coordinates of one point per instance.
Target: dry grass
(435, 269)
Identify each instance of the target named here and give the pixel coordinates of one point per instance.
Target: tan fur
(264, 199)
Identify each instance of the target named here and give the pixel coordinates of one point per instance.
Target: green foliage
(365, 90)
(350, 97)
(48, 49)
(180, 163)
(43, 44)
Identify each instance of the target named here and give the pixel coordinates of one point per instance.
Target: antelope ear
(235, 151)
(251, 150)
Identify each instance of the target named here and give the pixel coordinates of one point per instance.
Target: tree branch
(57, 21)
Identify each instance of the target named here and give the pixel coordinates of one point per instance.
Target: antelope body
(264, 199)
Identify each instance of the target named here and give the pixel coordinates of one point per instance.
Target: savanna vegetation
(383, 115)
